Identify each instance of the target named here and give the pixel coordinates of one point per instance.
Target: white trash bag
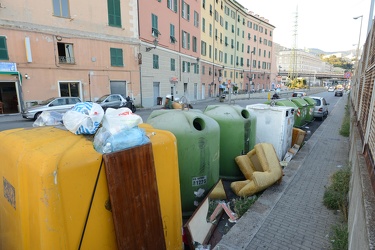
(116, 120)
(83, 118)
(48, 118)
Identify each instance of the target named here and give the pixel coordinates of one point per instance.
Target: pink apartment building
(67, 48)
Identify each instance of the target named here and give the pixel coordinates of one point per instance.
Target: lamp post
(251, 77)
(359, 38)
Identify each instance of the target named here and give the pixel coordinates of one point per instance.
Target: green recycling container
(198, 149)
(303, 107)
(298, 119)
(237, 136)
(311, 107)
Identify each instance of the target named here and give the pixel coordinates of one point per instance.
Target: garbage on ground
(261, 167)
(48, 118)
(119, 131)
(83, 118)
(202, 224)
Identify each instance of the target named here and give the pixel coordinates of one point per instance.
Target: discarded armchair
(261, 167)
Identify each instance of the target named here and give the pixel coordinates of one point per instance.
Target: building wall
(87, 30)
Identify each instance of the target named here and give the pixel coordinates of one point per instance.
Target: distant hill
(319, 52)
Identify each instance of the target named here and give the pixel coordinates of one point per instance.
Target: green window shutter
(3, 48)
(188, 12)
(188, 40)
(173, 64)
(169, 3)
(155, 61)
(114, 13)
(175, 5)
(116, 57)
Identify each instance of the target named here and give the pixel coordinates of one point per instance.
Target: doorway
(8, 96)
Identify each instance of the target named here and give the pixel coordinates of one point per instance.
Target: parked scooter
(130, 104)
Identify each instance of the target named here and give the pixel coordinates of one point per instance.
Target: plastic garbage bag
(106, 142)
(48, 118)
(83, 118)
(116, 120)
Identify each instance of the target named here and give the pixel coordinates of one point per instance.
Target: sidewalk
(292, 215)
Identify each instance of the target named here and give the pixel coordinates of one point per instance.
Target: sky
(323, 24)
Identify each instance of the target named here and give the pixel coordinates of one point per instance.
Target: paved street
(292, 215)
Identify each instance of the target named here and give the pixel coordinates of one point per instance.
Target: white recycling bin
(274, 125)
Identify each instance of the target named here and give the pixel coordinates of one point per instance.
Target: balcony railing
(67, 60)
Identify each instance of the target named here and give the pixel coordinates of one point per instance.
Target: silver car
(57, 104)
(321, 107)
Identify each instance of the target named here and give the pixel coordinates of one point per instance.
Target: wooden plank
(134, 198)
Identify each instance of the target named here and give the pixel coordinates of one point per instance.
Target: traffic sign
(348, 74)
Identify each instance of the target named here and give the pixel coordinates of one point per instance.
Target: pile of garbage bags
(113, 130)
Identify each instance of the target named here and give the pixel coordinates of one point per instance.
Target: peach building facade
(145, 49)
(76, 48)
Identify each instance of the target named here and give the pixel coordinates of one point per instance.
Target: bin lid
(286, 103)
(309, 100)
(299, 102)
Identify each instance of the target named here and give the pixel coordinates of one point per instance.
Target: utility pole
(293, 57)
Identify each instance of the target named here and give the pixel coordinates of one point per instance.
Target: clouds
(322, 24)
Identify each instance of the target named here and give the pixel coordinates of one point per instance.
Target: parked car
(339, 92)
(298, 94)
(321, 107)
(58, 104)
(331, 89)
(116, 101)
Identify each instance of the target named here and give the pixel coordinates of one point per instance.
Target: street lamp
(251, 77)
(359, 38)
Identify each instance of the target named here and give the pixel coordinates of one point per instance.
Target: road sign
(348, 74)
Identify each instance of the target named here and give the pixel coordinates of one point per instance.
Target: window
(203, 25)
(194, 40)
(171, 33)
(249, 24)
(185, 67)
(196, 19)
(209, 51)
(196, 68)
(185, 40)
(226, 41)
(3, 48)
(172, 4)
(225, 58)
(203, 70)
(210, 31)
(173, 64)
(69, 89)
(255, 38)
(155, 32)
(155, 61)
(210, 10)
(65, 51)
(61, 7)
(185, 10)
(114, 12)
(204, 4)
(203, 48)
(259, 52)
(116, 57)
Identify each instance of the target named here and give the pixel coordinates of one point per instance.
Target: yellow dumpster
(54, 192)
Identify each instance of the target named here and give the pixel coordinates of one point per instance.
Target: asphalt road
(16, 121)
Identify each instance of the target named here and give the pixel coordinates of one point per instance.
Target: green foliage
(336, 195)
(339, 238)
(345, 126)
(242, 204)
(337, 62)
